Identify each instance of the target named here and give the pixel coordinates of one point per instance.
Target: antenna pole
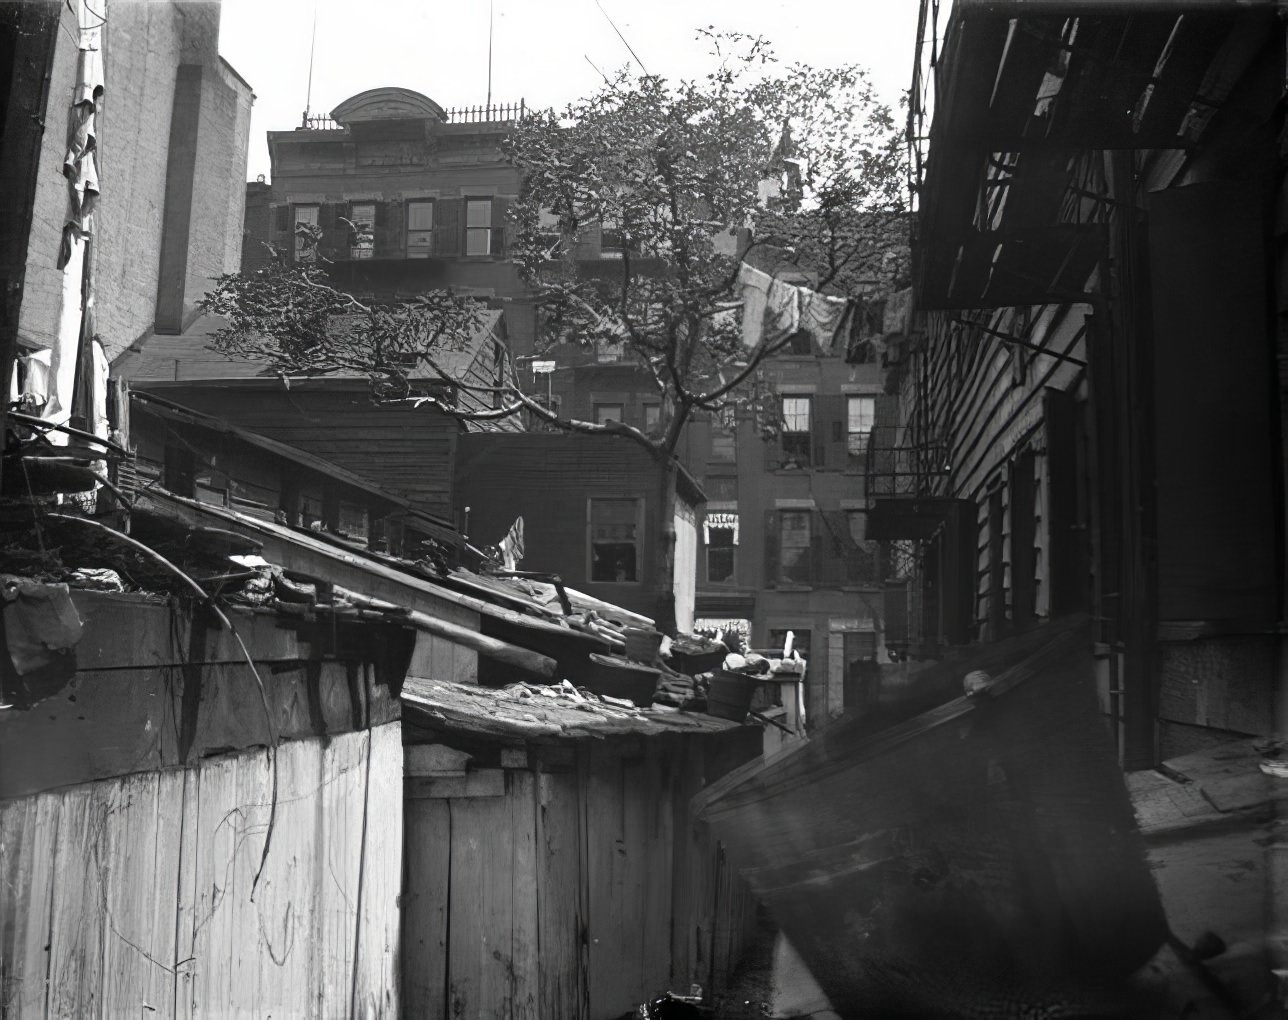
(308, 96)
(489, 56)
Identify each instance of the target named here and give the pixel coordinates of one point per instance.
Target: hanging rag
(81, 171)
(822, 315)
(753, 285)
(41, 629)
(782, 310)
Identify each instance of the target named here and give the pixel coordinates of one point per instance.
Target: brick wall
(143, 46)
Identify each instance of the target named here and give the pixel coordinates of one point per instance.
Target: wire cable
(205, 598)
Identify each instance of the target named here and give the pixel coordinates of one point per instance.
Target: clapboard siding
(406, 450)
(983, 401)
(132, 896)
(577, 888)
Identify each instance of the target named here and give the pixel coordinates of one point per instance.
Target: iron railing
(487, 113)
(932, 23)
(897, 465)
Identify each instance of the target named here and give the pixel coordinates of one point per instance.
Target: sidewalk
(1216, 828)
(1220, 787)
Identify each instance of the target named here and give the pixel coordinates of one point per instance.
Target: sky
(542, 50)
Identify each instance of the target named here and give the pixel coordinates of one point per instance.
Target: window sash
(794, 529)
(608, 412)
(796, 414)
(614, 540)
(420, 226)
(860, 417)
(363, 217)
(478, 226)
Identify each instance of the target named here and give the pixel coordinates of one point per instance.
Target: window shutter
(327, 227)
(381, 243)
(282, 219)
(821, 549)
(771, 548)
(447, 226)
(501, 229)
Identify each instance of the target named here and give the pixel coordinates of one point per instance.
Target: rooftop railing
(488, 113)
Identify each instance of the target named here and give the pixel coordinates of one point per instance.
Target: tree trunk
(664, 548)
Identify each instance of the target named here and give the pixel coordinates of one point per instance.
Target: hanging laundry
(753, 285)
(782, 309)
(81, 171)
(822, 315)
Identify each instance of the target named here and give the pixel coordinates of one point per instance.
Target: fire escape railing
(897, 466)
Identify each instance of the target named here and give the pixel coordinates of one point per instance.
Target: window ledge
(793, 586)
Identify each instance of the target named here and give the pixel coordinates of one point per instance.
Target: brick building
(409, 197)
(173, 129)
(781, 543)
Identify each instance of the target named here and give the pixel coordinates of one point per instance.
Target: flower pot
(615, 677)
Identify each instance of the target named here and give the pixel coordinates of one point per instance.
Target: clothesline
(777, 309)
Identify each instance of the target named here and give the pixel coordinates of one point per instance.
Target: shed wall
(133, 895)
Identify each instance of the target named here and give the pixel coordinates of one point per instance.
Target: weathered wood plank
(635, 862)
(187, 921)
(29, 830)
(608, 910)
(129, 843)
(524, 939)
(214, 939)
(658, 822)
(162, 914)
(77, 918)
(428, 845)
(343, 777)
(376, 985)
(560, 896)
(481, 915)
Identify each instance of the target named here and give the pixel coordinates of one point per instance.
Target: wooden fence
(571, 885)
(132, 896)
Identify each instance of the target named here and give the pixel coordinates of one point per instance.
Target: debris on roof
(523, 712)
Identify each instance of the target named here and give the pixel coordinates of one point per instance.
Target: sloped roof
(160, 359)
(524, 712)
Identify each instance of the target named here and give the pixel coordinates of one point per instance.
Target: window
(861, 681)
(724, 436)
(720, 532)
(607, 412)
(857, 521)
(861, 412)
(420, 228)
(305, 216)
(721, 488)
(614, 540)
(478, 226)
(652, 418)
(796, 431)
(794, 561)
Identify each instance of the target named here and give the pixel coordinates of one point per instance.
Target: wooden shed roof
(522, 713)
